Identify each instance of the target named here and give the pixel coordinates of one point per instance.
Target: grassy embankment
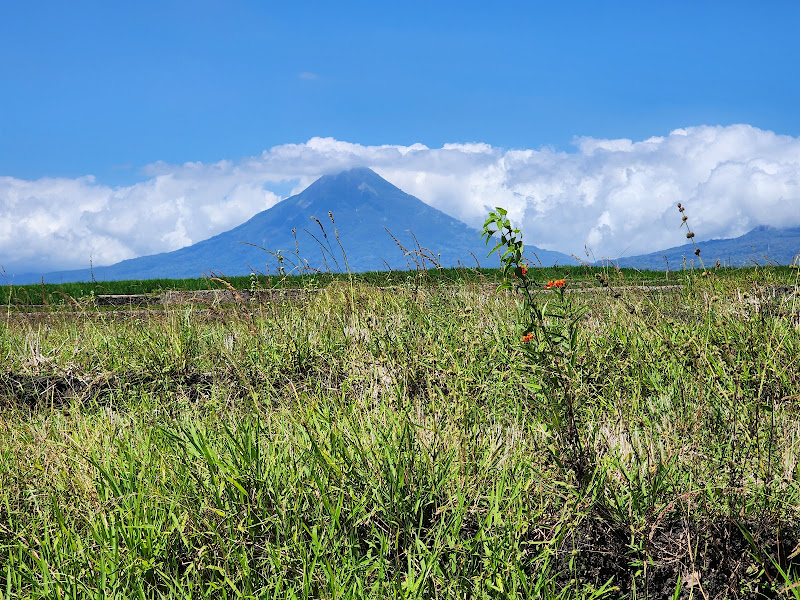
(366, 443)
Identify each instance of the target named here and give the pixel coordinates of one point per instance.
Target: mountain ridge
(361, 203)
(759, 246)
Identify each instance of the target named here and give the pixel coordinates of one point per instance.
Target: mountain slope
(762, 245)
(362, 204)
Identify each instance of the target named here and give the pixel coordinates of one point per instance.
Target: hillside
(760, 246)
(364, 206)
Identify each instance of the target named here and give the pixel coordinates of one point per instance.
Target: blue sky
(122, 90)
(93, 87)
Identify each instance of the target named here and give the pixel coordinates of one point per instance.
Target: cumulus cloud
(51, 224)
(614, 196)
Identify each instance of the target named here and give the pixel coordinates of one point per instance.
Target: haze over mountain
(362, 204)
(760, 246)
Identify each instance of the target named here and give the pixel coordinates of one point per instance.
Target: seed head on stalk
(690, 235)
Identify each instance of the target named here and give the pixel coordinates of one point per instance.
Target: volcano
(352, 220)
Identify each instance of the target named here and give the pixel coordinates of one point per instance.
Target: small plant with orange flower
(549, 344)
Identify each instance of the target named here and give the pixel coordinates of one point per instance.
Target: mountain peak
(286, 236)
(357, 178)
(353, 190)
(353, 173)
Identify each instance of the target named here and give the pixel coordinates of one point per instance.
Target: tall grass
(365, 442)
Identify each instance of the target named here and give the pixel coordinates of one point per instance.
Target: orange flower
(523, 269)
(558, 283)
(527, 338)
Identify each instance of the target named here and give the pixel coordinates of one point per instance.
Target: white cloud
(616, 196)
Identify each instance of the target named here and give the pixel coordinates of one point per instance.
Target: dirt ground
(707, 558)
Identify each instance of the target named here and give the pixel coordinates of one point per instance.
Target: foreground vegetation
(364, 442)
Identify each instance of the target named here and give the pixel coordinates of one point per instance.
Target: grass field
(381, 443)
(69, 293)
